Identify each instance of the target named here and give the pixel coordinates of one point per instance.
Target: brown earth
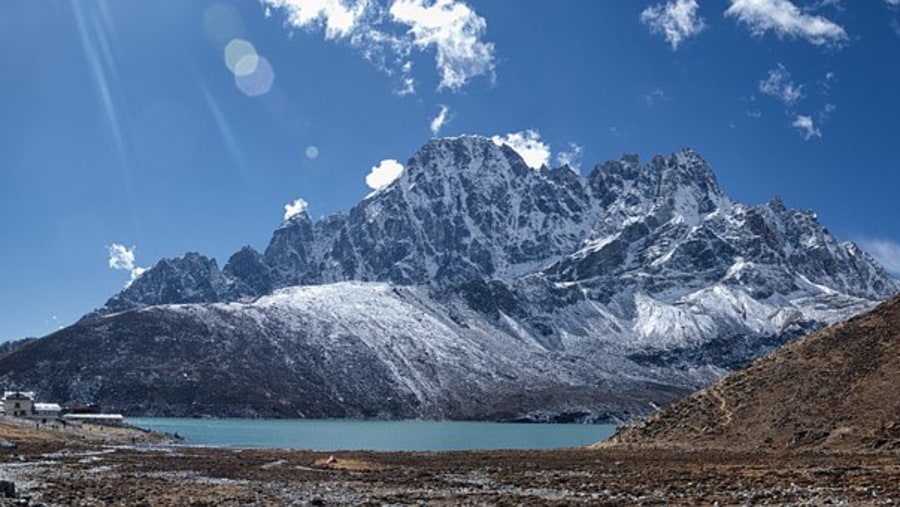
(94, 467)
(135, 475)
(30, 436)
(837, 389)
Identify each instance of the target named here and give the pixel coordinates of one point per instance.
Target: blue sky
(133, 131)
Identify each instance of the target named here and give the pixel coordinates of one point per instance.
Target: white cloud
(779, 85)
(886, 252)
(807, 127)
(408, 87)
(295, 208)
(122, 258)
(440, 120)
(571, 158)
(785, 19)
(340, 18)
(387, 36)
(528, 145)
(677, 20)
(455, 31)
(893, 3)
(384, 174)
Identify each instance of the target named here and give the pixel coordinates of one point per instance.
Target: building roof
(21, 395)
(47, 407)
(96, 417)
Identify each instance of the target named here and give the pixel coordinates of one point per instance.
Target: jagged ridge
(648, 275)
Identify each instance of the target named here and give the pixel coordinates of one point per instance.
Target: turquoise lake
(335, 435)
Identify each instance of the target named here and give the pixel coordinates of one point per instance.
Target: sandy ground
(82, 471)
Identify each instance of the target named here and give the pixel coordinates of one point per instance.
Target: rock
(7, 489)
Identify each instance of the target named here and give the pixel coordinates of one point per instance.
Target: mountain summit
(472, 286)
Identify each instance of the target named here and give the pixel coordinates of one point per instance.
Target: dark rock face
(250, 273)
(289, 255)
(472, 286)
(189, 279)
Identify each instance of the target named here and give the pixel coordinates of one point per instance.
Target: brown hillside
(837, 389)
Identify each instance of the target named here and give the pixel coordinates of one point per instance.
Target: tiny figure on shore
(331, 460)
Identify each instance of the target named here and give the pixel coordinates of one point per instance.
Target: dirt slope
(836, 389)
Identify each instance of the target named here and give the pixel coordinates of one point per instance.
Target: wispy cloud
(440, 120)
(786, 20)
(676, 20)
(780, 85)
(455, 31)
(387, 36)
(572, 157)
(807, 127)
(654, 96)
(293, 209)
(384, 174)
(528, 144)
(885, 251)
(122, 258)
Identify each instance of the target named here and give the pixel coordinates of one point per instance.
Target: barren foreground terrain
(55, 472)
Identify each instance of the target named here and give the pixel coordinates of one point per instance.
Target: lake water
(334, 435)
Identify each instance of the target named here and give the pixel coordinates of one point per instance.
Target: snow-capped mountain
(475, 286)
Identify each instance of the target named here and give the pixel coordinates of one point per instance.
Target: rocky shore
(45, 467)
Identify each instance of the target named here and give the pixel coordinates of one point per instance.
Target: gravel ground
(54, 474)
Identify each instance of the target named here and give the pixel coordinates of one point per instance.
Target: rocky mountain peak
(472, 156)
(192, 278)
(687, 185)
(249, 273)
(776, 204)
(467, 209)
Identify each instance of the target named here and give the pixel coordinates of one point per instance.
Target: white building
(18, 403)
(46, 410)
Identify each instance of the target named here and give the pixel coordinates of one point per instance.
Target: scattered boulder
(7, 489)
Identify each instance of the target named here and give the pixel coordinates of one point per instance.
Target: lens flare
(246, 65)
(312, 152)
(222, 23)
(240, 57)
(258, 82)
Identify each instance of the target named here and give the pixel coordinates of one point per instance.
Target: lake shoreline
(375, 435)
